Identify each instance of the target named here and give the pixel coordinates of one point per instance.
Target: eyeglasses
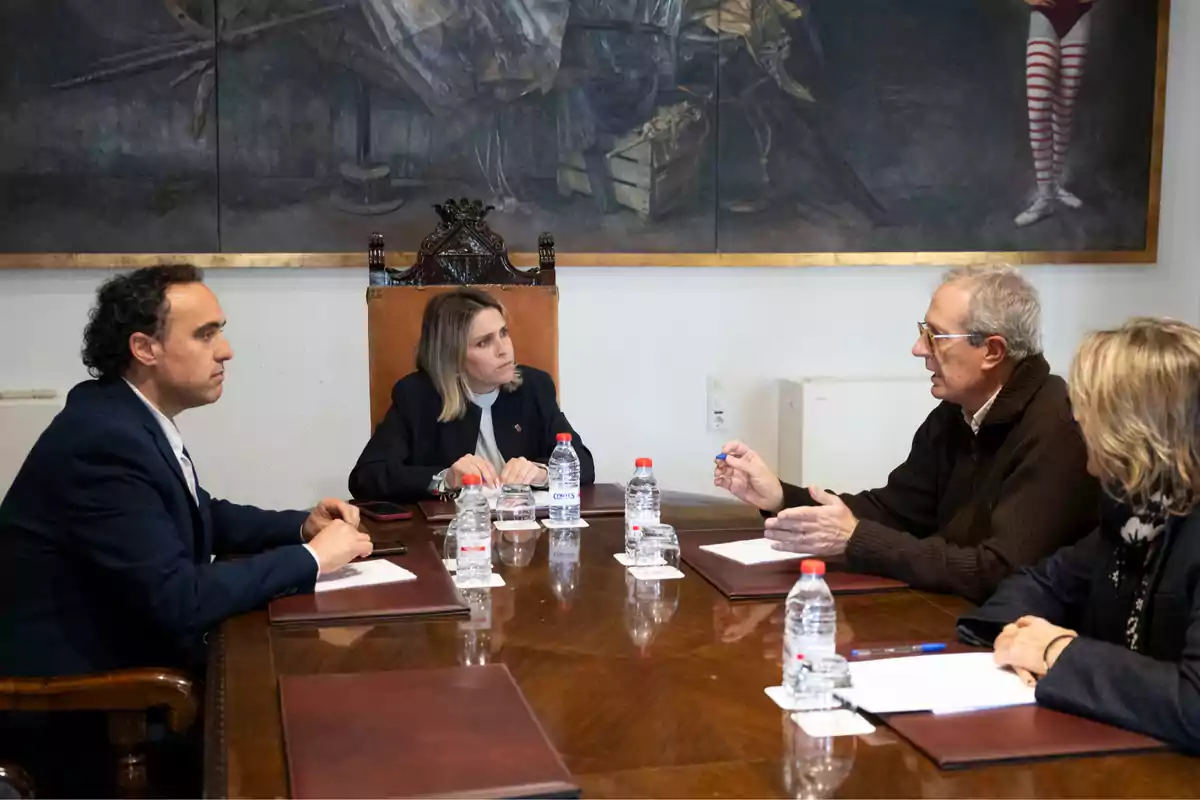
(931, 337)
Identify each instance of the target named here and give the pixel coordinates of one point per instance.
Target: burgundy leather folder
(759, 581)
(431, 594)
(455, 732)
(1018, 733)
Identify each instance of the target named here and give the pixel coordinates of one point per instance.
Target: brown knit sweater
(965, 510)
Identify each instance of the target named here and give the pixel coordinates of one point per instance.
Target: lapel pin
(517, 427)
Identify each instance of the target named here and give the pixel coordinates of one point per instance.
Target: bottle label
(564, 549)
(564, 498)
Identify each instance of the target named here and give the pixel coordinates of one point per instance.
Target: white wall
(636, 344)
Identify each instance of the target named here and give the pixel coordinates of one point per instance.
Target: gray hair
(1003, 304)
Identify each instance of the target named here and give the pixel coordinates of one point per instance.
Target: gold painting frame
(357, 260)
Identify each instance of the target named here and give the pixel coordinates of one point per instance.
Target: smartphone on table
(382, 510)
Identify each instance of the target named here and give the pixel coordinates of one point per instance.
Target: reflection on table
(646, 688)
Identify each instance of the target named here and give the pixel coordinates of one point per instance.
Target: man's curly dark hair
(135, 302)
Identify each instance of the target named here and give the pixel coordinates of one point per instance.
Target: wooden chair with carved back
(125, 697)
(15, 783)
(461, 251)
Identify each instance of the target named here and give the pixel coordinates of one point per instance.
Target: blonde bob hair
(442, 350)
(1136, 393)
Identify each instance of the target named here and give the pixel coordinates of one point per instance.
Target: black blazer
(1157, 693)
(410, 446)
(105, 557)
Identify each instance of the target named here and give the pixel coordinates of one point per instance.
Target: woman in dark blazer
(1109, 628)
(468, 409)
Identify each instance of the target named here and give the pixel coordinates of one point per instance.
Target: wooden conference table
(642, 696)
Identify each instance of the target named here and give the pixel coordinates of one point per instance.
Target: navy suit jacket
(105, 557)
(1156, 691)
(410, 446)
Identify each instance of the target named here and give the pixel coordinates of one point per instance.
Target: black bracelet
(1054, 641)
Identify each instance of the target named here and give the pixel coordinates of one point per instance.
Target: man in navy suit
(107, 538)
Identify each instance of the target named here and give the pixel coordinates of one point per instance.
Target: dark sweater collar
(1018, 390)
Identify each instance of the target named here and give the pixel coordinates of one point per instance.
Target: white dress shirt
(175, 439)
(976, 420)
(485, 446)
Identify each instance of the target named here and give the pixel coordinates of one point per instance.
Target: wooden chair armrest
(16, 778)
(120, 690)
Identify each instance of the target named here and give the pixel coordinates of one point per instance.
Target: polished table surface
(647, 690)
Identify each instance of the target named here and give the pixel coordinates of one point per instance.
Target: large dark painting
(710, 130)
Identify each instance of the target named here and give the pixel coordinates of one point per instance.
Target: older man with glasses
(997, 477)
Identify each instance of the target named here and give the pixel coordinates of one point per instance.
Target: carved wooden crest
(464, 250)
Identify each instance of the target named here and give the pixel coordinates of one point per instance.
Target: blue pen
(933, 647)
(720, 456)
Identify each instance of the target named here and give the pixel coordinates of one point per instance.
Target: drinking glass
(658, 547)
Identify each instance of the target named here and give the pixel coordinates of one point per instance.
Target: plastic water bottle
(643, 503)
(474, 529)
(564, 564)
(475, 635)
(810, 627)
(564, 481)
(377, 274)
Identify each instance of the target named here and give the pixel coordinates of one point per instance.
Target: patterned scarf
(1132, 569)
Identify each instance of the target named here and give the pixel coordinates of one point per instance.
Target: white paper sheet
(494, 582)
(785, 700)
(940, 683)
(837, 722)
(551, 524)
(517, 525)
(752, 551)
(626, 561)
(663, 573)
(363, 573)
